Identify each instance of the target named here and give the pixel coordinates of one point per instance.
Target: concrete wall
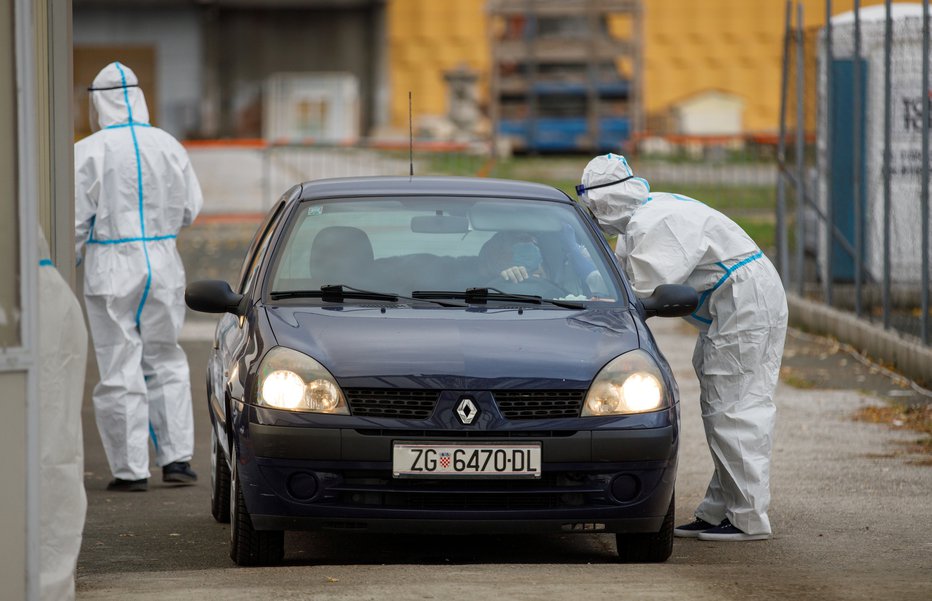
(176, 34)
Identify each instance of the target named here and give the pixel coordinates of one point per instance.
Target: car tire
(248, 546)
(219, 480)
(648, 547)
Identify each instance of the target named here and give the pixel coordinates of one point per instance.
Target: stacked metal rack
(566, 74)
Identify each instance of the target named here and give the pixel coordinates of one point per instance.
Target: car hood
(460, 349)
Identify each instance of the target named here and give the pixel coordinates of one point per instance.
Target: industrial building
(206, 64)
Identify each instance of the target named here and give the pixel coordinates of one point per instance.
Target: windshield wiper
(481, 295)
(337, 293)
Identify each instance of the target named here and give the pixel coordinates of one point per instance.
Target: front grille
(553, 491)
(409, 404)
(466, 433)
(478, 502)
(539, 404)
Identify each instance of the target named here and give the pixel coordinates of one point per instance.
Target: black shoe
(121, 485)
(179, 472)
(692, 529)
(726, 531)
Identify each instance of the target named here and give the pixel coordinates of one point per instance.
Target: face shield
(93, 119)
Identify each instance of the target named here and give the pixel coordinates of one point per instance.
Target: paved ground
(851, 509)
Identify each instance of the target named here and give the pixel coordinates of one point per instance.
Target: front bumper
(604, 478)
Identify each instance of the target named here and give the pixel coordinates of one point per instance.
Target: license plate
(458, 460)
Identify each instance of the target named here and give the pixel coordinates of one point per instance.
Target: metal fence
(286, 163)
(853, 162)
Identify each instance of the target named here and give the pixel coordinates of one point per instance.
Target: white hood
(115, 95)
(613, 205)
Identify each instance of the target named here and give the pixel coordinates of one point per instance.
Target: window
(402, 245)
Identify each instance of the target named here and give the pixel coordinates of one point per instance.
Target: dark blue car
(440, 355)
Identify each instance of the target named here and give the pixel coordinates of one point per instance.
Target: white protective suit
(62, 362)
(673, 239)
(134, 190)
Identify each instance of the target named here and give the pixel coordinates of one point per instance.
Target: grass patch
(763, 233)
(751, 207)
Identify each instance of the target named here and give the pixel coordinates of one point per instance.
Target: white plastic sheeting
(62, 363)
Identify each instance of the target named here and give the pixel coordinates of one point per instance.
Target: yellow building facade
(690, 46)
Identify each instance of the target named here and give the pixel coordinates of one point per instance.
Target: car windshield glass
(432, 245)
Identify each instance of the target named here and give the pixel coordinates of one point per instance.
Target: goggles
(120, 87)
(581, 189)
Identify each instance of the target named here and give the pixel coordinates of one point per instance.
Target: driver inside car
(516, 257)
(513, 256)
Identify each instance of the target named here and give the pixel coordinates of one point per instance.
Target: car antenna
(410, 138)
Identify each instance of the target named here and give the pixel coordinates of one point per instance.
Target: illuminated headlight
(630, 383)
(293, 381)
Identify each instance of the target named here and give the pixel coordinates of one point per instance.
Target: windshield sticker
(316, 210)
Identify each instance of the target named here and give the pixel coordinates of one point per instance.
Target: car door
(232, 330)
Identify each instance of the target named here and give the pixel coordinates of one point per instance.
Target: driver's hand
(515, 274)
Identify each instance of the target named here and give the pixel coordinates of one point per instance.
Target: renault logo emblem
(467, 410)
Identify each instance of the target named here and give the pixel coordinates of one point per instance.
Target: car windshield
(428, 246)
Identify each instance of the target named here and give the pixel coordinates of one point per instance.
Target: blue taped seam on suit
(128, 240)
(155, 439)
(142, 217)
(728, 271)
(119, 125)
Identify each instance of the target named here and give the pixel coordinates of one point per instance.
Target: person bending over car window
(673, 239)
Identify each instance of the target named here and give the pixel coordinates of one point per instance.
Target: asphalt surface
(851, 518)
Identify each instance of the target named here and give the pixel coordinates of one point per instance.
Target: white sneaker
(727, 532)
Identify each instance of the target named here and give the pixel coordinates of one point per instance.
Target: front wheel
(248, 546)
(219, 480)
(648, 547)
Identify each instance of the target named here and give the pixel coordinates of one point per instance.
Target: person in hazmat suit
(134, 190)
(62, 362)
(673, 239)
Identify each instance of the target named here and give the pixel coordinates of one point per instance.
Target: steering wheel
(539, 286)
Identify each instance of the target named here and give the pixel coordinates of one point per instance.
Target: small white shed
(709, 113)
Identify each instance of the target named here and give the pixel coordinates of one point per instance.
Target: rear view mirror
(439, 224)
(214, 296)
(671, 300)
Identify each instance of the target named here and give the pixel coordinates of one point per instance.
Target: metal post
(924, 194)
(887, 125)
(783, 254)
(857, 159)
(593, 110)
(531, 32)
(800, 150)
(830, 118)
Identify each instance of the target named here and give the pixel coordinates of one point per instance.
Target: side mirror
(671, 300)
(214, 296)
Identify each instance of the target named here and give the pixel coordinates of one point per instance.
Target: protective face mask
(527, 255)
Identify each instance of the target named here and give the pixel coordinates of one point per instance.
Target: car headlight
(293, 381)
(630, 383)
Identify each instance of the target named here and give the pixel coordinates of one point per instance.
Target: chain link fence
(853, 160)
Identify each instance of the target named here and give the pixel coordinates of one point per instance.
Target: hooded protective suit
(62, 362)
(134, 190)
(673, 239)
